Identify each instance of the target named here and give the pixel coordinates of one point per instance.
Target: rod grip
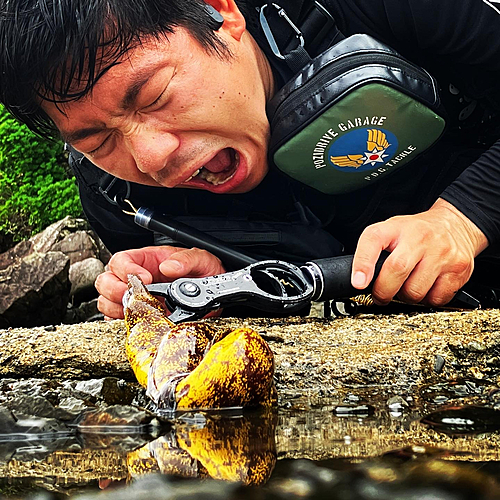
(332, 277)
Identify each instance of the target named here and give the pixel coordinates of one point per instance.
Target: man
(171, 95)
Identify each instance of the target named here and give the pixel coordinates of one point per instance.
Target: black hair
(58, 49)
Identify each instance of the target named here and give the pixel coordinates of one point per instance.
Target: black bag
(298, 239)
(291, 242)
(352, 115)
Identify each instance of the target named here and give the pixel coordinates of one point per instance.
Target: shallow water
(441, 444)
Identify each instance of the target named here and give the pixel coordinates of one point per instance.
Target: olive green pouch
(353, 115)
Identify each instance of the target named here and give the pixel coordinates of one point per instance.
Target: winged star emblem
(376, 145)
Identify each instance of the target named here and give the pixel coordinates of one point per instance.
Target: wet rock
(14, 425)
(397, 407)
(8, 423)
(39, 406)
(494, 361)
(312, 355)
(455, 390)
(476, 346)
(82, 275)
(32, 387)
(464, 420)
(397, 403)
(439, 364)
(28, 404)
(65, 400)
(34, 290)
(352, 398)
(72, 405)
(109, 390)
(117, 417)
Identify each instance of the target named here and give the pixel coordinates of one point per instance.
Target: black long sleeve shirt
(457, 42)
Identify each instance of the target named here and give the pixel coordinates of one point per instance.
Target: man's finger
(396, 269)
(419, 282)
(122, 264)
(109, 308)
(110, 286)
(443, 290)
(191, 262)
(370, 245)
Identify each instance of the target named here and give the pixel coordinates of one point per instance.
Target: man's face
(171, 114)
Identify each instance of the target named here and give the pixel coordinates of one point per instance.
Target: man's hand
(431, 255)
(153, 265)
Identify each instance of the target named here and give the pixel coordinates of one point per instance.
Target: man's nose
(152, 149)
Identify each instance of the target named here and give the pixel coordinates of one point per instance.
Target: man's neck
(265, 69)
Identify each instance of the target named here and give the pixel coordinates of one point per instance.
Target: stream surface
(94, 440)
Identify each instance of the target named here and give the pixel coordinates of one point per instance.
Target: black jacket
(459, 46)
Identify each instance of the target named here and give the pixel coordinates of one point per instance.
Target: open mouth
(220, 169)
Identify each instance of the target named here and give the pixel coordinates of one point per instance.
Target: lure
(194, 365)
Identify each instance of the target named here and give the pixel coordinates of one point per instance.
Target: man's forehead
(125, 76)
(77, 79)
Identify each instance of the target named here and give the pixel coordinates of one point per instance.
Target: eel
(194, 365)
(241, 449)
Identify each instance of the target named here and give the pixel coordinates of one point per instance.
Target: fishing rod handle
(332, 277)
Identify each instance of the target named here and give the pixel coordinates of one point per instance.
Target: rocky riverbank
(314, 356)
(350, 389)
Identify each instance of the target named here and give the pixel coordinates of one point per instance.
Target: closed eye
(157, 100)
(100, 147)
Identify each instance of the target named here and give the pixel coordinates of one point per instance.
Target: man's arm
(131, 246)
(433, 252)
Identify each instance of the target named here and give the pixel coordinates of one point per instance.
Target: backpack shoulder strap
(296, 42)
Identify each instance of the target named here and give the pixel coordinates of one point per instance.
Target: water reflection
(233, 448)
(468, 419)
(350, 447)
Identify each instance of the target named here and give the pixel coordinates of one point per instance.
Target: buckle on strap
(115, 190)
(268, 32)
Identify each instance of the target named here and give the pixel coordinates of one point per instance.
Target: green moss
(36, 188)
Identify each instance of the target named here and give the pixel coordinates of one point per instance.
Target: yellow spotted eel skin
(192, 365)
(241, 449)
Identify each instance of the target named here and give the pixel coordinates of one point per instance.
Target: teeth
(194, 175)
(215, 179)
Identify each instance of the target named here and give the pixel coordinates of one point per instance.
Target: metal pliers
(269, 285)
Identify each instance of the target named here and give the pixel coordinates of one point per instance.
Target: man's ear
(234, 23)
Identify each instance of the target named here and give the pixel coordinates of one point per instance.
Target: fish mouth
(219, 170)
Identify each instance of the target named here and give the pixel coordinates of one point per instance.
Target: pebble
(439, 364)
